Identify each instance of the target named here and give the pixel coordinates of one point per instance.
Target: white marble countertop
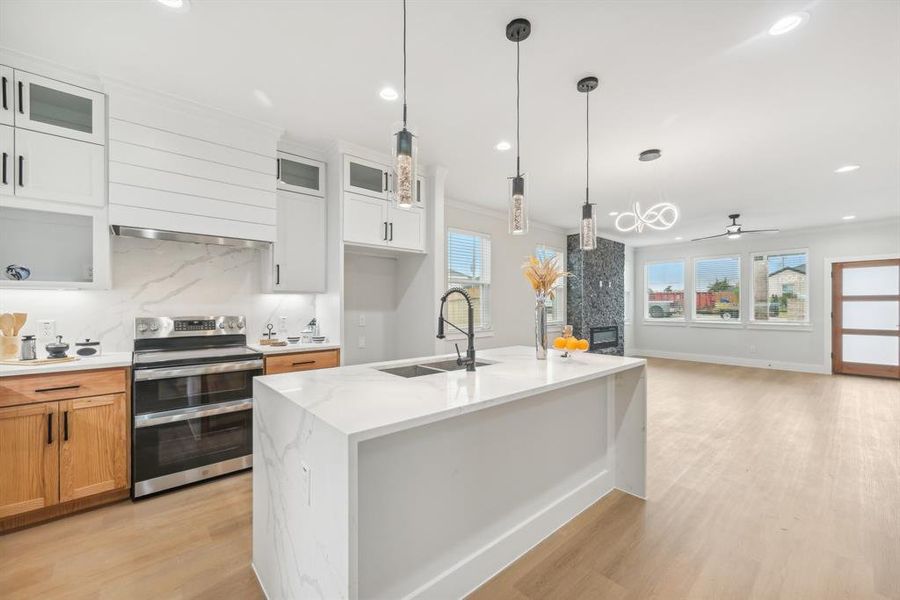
(363, 402)
(291, 348)
(105, 361)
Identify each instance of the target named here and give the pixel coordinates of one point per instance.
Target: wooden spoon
(6, 324)
(19, 322)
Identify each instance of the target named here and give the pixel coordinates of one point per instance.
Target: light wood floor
(762, 484)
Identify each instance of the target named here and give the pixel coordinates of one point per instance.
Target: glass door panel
(871, 315)
(51, 106)
(300, 175)
(871, 281)
(871, 349)
(364, 177)
(60, 109)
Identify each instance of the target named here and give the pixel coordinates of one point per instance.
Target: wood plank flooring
(762, 484)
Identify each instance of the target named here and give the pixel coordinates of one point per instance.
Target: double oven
(192, 400)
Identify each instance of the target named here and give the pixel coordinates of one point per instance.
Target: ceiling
(747, 122)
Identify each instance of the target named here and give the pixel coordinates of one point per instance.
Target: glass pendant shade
(518, 210)
(405, 152)
(588, 228)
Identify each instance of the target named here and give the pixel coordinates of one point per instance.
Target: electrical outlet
(46, 329)
(282, 324)
(361, 341)
(362, 320)
(305, 482)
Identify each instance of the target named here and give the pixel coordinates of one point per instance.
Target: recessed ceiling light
(846, 168)
(613, 213)
(389, 94)
(788, 23)
(262, 98)
(679, 238)
(848, 217)
(179, 5)
(503, 146)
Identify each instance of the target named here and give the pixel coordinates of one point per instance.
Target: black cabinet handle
(278, 169)
(303, 362)
(21, 98)
(49, 428)
(277, 274)
(385, 181)
(384, 237)
(58, 389)
(391, 238)
(5, 105)
(21, 170)
(5, 155)
(66, 425)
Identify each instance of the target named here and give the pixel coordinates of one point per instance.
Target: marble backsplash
(158, 278)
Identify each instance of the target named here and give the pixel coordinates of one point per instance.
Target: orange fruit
(559, 343)
(572, 344)
(583, 345)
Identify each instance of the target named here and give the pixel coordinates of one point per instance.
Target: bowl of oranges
(567, 343)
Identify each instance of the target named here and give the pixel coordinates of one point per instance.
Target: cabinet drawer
(25, 389)
(303, 361)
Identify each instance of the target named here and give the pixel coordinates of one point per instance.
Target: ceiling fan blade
(709, 237)
(760, 230)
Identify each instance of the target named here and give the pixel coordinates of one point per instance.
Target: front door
(865, 336)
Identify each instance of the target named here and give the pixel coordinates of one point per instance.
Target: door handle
(391, 238)
(5, 105)
(21, 98)
(66, 425)
(49, 428)
(5, 155)
(21, 170)
(277, 274)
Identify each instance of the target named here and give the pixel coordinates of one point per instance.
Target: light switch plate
(361, 341)
(362, 320)
(46, 329)
(282, 324)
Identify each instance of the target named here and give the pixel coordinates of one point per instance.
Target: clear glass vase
(540, 328)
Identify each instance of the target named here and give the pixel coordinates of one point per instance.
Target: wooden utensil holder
(9, 346)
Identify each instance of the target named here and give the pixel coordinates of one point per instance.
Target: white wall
(156, 278)
(512, 300)
(369, 292)
(759, 345)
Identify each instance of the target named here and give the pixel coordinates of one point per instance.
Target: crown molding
(498, 214)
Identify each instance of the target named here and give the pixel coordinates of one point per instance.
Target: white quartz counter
(105, 361)
(292, 348)
(364, 402)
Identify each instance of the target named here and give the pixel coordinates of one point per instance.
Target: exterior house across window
(780, 283)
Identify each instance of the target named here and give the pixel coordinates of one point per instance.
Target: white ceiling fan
(735, 230)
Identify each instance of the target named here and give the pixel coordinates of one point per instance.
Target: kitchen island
(374, 484)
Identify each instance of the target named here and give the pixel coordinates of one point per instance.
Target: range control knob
(231, 324)
(142, 327)
(154, 326)
(222, 325)
(240, 323)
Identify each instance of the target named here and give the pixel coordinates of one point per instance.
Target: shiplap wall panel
(183, 204)
(162, 160)
(141, 135)
(160, 219)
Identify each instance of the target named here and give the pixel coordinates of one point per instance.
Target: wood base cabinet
(62, 450)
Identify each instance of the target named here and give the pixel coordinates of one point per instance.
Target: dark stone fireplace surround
(595, 291)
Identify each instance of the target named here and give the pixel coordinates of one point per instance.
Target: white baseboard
(468, 574)
(733, 361)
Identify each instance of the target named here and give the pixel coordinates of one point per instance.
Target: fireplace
(604, 337)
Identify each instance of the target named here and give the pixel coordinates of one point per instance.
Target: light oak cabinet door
(29, 455)
(92, 446)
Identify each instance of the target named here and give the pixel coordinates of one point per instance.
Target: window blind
(664, 290)
(717, 283)
(469, 267)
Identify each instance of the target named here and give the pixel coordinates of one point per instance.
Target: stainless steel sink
(441, 366)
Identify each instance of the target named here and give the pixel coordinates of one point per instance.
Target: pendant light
(588, 218)
(404, 149)
(517, 31)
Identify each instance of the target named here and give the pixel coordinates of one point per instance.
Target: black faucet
(469, 360)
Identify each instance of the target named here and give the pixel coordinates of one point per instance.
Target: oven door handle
(196, 412)
(170, 373)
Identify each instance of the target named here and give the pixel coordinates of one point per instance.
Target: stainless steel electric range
(192, 400)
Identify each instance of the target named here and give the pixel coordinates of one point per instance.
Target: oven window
(173, 447)
(196, 390)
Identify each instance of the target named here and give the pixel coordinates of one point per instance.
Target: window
(469, 267)
(717, 289)
(780, 287)
(556, 307)
(665, 290)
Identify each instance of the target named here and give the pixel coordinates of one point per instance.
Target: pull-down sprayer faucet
(469, 360)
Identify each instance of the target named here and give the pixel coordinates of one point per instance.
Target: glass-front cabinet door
(299, 174)
(7, 107)
(366, 177)
(51, 106)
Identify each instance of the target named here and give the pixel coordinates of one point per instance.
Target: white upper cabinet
(7, 161)
(299, 174)
(374, 222)
(7, 105)
(49, 167)
(54, 107)
(366, 177)
(299, 250)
